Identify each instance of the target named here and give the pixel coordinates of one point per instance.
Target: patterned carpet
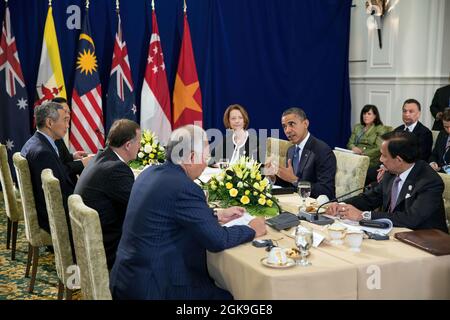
(13, 284)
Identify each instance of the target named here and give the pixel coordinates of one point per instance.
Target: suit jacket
(167, 230)
(369, 143)
(225, 147)
(441, 100)
(425, 139)
(105, 185)
(41, 155)
(317, 165)
(439, 154)
(73, 167)
(419, 203)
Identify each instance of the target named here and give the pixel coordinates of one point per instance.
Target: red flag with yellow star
(187, 97)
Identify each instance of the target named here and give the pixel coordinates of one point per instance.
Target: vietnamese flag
(187, 97)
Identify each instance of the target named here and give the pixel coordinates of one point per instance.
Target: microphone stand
(316, 218)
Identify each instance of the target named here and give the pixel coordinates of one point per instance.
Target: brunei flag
(50, 82)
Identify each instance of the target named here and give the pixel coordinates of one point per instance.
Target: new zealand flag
(14, 107)
(120, 99)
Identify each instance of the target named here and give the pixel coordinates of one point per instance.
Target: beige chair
(89, 249)
(58, 230)
(36, 236)
(435, 134)
(446, 195)
(13, 206)
(277, 150)
(351, 171)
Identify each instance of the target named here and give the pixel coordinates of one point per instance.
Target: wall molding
(400, 80)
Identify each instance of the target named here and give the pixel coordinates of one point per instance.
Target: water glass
(304, 191)
(303, 241)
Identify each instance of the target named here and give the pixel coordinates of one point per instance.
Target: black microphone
(267, 195)
(316, 218)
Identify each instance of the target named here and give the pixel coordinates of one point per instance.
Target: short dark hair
(46, 110)
(446, 114)
(294, 110)
(403, 144)
(241, 109)
(412, 101)
(374, 109)
(59, 100)
(122, 131)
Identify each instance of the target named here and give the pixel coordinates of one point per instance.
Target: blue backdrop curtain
(264, 54)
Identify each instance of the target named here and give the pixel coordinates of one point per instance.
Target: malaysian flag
(155, 98)
(120, 99)
(87, 131)
(14, 111)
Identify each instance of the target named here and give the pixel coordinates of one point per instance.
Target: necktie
(296, 159)
(407, 129)
(394, 193)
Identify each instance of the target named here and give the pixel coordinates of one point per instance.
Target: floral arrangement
(151, 152)
(242, 184)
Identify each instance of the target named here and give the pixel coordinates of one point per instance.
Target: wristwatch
(367, 215)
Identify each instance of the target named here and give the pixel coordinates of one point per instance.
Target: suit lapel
(408, 185)
(306, 153)
(43, 139)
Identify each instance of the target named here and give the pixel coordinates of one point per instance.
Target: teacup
(354, 239)
(277, 256)
(336, 232)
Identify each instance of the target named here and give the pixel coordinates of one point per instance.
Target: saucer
(289, 263)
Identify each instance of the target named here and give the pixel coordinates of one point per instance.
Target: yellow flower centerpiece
(242, 184)
(151, 152)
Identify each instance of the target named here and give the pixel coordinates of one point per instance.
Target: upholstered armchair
(36, 236)
(446, 195)
(13, 206)
(351, 171)
(89, 250)
(58, 230)
(277, 150)
(435, 134)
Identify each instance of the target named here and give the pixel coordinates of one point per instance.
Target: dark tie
(295, 159)
(407, 129)
(394, 193)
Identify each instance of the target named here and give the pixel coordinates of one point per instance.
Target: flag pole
(153, 5)
(49, 3)
(117, 6)
(185, 6)
(87, 4)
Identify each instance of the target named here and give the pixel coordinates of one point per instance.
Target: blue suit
(41, 155)
(317, 165)
(167, 229)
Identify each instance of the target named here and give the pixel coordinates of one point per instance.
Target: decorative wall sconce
(376, 10)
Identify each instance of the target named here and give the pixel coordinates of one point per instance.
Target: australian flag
(14, 109)
(120, 99)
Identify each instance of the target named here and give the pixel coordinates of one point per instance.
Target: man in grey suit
(410, 193)
(169, 226)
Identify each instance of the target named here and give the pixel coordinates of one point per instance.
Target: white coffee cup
(354, 239)
(336, 232)
(277, 256)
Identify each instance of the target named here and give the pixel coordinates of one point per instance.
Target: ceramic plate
(289, 263)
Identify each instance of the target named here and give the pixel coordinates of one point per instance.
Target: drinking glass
(223, 163)
(304, 191)
(303, 241)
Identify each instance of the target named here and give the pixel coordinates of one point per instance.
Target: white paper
(242, 221)
(343, 150)
(354, 225)
(208, 173)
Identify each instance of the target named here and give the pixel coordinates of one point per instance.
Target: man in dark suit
(169, 226)
(410, 194)
(410, 114)
(74, 162)
(441, 100)
(105, 185)
(41, 152)
(317, 162)
(441, 155)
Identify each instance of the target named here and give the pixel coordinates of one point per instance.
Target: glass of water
(303, 241)
(223, 163)
(304, 191)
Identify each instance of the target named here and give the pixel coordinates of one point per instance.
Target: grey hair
(183, 141)
(294, 110)
(46, 110)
